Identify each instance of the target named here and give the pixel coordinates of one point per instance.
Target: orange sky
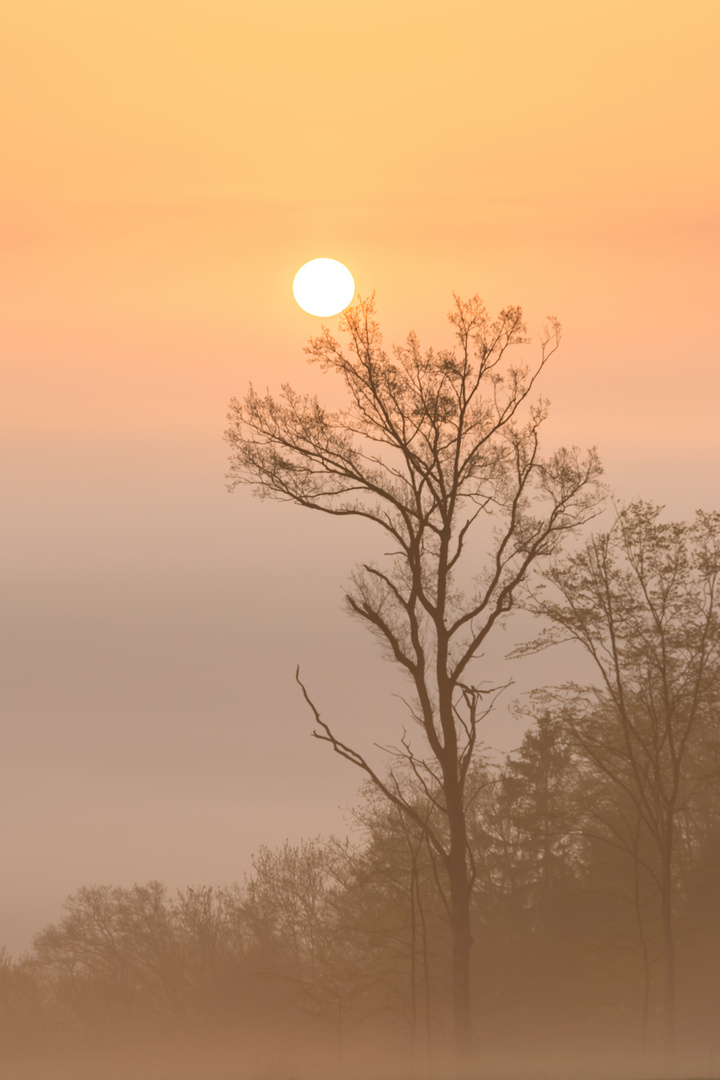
(165, 167)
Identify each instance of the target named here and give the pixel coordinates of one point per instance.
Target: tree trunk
(413, 959)
(669, 950)
(460, 893)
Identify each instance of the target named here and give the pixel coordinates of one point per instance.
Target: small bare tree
(430, 444)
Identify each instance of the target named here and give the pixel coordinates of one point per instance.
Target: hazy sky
(165, 168)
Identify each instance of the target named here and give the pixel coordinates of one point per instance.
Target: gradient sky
(165, 168)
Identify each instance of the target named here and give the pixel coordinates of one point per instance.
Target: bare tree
(398, 906)
(642, 600)
(429, 445)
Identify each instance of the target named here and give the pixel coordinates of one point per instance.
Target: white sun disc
(323, 287)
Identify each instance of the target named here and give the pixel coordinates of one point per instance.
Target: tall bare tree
(429, 445)
(642, 599)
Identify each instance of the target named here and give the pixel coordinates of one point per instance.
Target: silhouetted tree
(22, 1018)
(113, 959)
(642, 600)
(213, 940)
(310, 902)
(397, 908)
(542, 779)
(431, 444)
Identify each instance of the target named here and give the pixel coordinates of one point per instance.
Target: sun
(323, 287)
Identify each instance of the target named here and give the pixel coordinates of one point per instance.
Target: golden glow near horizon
(323, 287)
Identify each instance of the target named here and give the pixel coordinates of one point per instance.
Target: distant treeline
(343, 945)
